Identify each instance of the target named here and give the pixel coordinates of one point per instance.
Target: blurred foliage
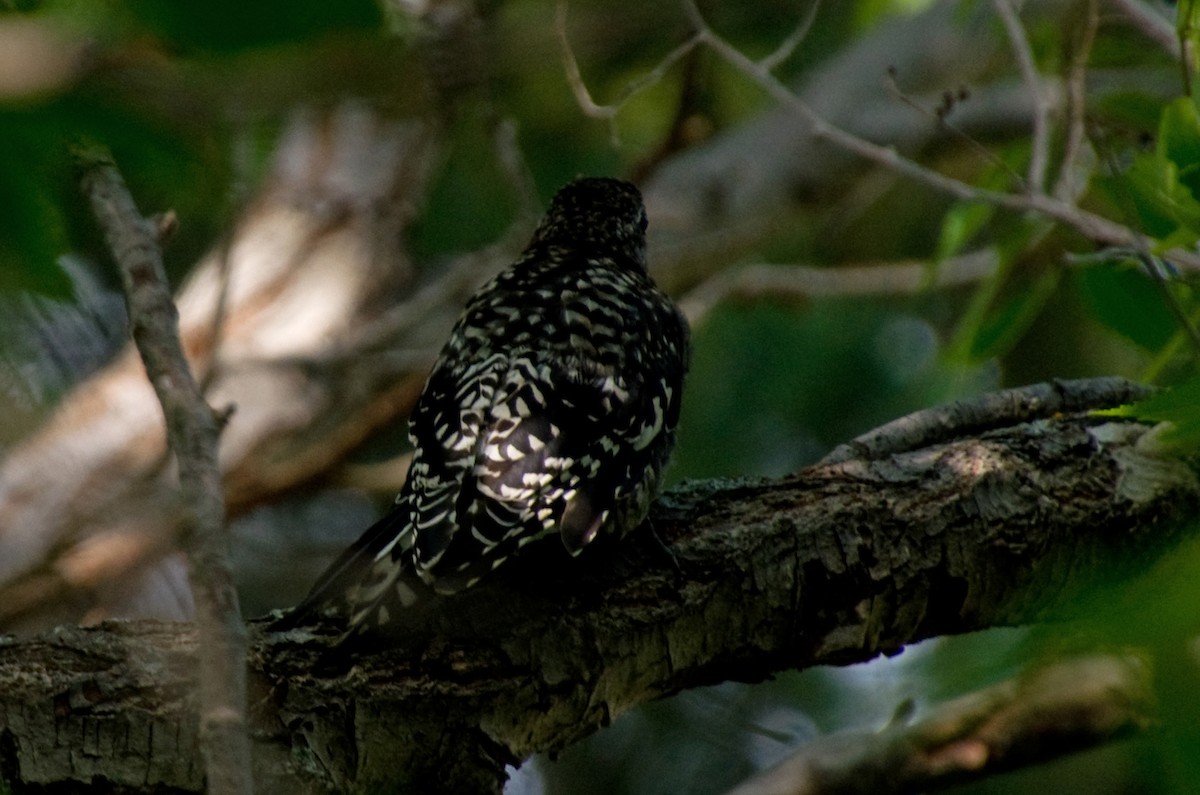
(189, 97)
(1176, 408)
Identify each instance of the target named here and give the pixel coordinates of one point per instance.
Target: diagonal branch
(1092, 226)
(1069, 184)
(584, 97)
(1152, 24)
(317, 349)
(192, 435)
(1039, 156)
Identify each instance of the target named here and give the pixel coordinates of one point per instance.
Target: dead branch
(192, 435)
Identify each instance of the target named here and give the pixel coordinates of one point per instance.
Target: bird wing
(495, 463)
(543, 440)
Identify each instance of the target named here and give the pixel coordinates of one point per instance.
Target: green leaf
(960, 224)
(1003, 327)
(1177, 405)
(1124, 299)
(1131, 110)
(1179, 135)
(1152, 189)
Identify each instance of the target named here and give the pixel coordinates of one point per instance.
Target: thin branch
(574, 76)
(192, 433)
(788, 46)
(978, 415)
(1039, 155)
(1066, 187)
(1151, 24)
(1092, 226)
(1183, 33)
(580, 89)
(802, 282)
(1044, 714)
(1153, 267)
(516, 168)
(1150, 261)
(242, 157)
(941, 116)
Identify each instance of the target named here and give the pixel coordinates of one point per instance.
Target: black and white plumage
(551, 411)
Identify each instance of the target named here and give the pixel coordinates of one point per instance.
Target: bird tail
(368, 586)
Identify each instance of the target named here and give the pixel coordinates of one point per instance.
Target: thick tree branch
(837, 563)
(192, 435)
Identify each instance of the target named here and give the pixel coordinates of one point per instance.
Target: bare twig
(1154, 269)
(1092, 226)
(1184, 32)
(516, 169)
(1150, 261)
(794, 39)
(1046, 713)
(1152, 24)
(1066, 187)
(799, 282)
(90, 502)
(941, 116)
(1039, 154)
(580, 89)
(239, 194)
(192, 433)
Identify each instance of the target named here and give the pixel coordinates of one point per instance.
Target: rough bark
(837, 563)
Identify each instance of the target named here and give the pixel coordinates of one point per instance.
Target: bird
(550, 411)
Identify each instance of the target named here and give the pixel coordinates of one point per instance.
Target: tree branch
(1041, 715)
(86, 506)
(1039, 155)
(192, 435)
(797, 283)
(1089, 224)
(1153, 25)
(835, 564)
(838, 121)
(1070, 185)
